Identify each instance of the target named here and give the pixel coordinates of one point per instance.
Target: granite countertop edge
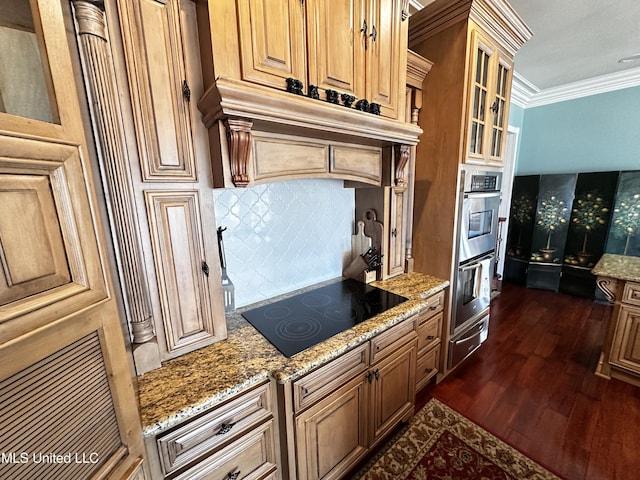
(622, 267)
(164, 404)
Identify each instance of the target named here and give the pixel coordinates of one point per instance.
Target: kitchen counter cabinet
(187, 387)
(372, 389)
(619, 279)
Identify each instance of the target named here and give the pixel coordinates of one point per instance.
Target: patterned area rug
(439, 443)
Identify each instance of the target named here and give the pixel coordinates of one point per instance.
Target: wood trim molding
(239, 133)
(405, 9)
(99, 78)
(496, 17)
(273, 110)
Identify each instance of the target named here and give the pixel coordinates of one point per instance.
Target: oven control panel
(484, 183)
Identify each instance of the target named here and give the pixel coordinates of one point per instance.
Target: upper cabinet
(334, 71)
(472, 44)
(477, 41)
(355, 48)
(488, 103)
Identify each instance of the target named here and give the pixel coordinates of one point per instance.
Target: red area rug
(439, 443)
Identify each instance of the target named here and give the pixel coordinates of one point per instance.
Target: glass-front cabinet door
(488, 102)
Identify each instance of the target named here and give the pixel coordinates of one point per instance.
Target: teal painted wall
(589, 134)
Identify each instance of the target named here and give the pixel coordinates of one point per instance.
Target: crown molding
(526, 95)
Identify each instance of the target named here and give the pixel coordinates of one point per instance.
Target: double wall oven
(477, 235)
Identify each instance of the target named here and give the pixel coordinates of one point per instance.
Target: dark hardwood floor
(532, 384)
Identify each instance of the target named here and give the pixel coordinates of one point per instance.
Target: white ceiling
(575, 48)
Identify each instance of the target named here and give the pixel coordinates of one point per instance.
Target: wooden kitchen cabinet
(237, 439)
(473, 43)
(429, 329)
(65, 379)
(357, 47)
(344, 408)
(488, 102)
(171, 209)
(625, 351)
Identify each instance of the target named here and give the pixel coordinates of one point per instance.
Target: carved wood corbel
(403, 153)
(239, 136)
(405, 9)
(608, 286)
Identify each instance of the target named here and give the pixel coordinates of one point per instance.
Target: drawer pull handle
(433, 307)
(370, 377)
(428, 370)
(377, 348)
(225, 428)
(377, 374)
(233, 475)
(430, 337)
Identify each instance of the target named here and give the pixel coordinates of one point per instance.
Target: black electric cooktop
(302, 321)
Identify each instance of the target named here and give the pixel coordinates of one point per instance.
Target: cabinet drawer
(251, 457)
(359, 163)
(429, 331)
(631, 293)
(387, 342)
(325, 380)
(434, 305)
(205, 433)
(427, 366)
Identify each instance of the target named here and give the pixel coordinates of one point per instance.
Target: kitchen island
(618, 276)
(190, 386)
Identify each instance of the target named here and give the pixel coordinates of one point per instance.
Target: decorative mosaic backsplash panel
(284, 236)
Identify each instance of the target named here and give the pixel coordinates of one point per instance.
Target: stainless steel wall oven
(477, 236)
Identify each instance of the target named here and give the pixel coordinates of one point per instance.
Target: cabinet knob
(374, 33)
(494, 107)
(233, 475)
(370, 377)
(428, 370)
(430, 337)
(205, 268)
(394, 232)
(377, 374)
(432, 308)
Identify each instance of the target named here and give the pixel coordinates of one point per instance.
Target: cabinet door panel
(157, 40)
(479, 95)
(625, 351)
(500, 107)
(383, 61)
(394, 391)
(395, 262)
(332, 435)
(336, 45)
(179, 254)
(272, 41)
(31, 248)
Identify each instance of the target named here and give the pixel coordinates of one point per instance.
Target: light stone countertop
(622, 267)
(194, 382)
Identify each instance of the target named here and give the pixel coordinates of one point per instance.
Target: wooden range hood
(259, 132)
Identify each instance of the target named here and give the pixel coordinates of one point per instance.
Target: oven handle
(475, 264)
(481, 194)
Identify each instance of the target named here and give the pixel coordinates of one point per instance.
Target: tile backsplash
(285, 235)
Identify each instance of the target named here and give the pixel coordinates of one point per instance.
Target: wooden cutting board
(360, 243)
(373, 228)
